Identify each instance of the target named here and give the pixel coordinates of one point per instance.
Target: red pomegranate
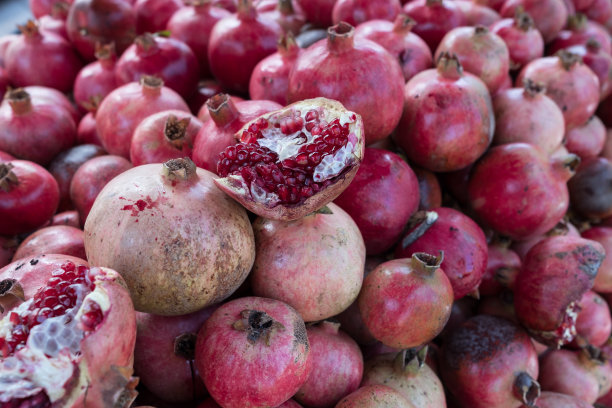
(476, 14)
(599, 11)
(549, 16)
(593, 324)
(40, 8)
(60, 239)
(69, 218)
(153, 15)
(87, 132)
(318, 12)
(430, 193)
(579, 31)
(503, 264)
(288, 15)
(524, 41)
(434, 19)
(7, 250)
(599, 61)
(97, 79)
(207, 88)
(355, 12)
(603, 279)
(549, 399)
(588, 140)
(54, 97)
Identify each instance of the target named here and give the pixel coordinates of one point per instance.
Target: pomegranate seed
(312, 115)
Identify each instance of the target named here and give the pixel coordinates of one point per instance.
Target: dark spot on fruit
(589, 259)
(184, 345)
(33, 262)
(299, 333)
(19, 266)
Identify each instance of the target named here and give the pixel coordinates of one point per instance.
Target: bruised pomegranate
(603, 279)
(555, 274)
(292, 162)
(60, 239)
(260, 345)
(524, 41)
(374, 396)
(79, 330)
(174, 227)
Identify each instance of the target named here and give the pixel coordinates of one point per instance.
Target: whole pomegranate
(593, 324)
(503, 264)
(588, 140)
(430, 193)
(579, 31)
(591, 188)
(524, 41)
(549, 16)
(434, 19)
(175, 227)
(603, 279)
(318, 12)
(261, 345)
(550, 399)
(599, 61)
(60, 239)
(153, 15)
(369, 74)
(356, 12)
(97, 79)
(374, 396)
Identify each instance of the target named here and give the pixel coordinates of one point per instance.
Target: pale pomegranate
(374, 396)
(549, 16)
(524, 41)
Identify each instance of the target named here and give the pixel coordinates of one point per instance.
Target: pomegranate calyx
(29, 29)
(286, 7)
(9, 290)
(526, 389)
(20, 101)
(8, 179)
(419, 223)
(532, 88)
(179, 169)
(258, 325)
(340, 37)
(568, 59)
(410, 360)
(222, 110)
(523, 20)
(448, 65)
(287, 46)
(577, 22)
(146, 44)
(184, 345)
(175, 130)
(433, 2)
(403, 23)
(106, 52)
(565, 166)
(593, 45)
(427, 263)
(151, 85)
(480, 30)
(246, 10)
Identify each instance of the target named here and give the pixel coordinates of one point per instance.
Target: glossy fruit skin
(555, 274)
(90, 179)
(603, 279)
(549, 16)
(525, 43)
(434, 19)
(318, 68)
(55, 97)
(587, 140)
(230, 364)
(318, 12)
(509, 177)
(337, 366)
(550, 399)
(448, 119)
(374, 396)
(69, 218)
(590, 190)
(481, 361)
(96, 80)
(463, 243)
(599, 11)
(381, 199)
(60, 239)
(356, 12)
(153, 15)
(29, 203)
(593, 324)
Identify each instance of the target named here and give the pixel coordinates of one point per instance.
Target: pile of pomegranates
(307, 203)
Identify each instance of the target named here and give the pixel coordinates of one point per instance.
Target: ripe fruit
(355, 12)
(603, 279)
(60, 239)
(374, 396)
(524, 41)
(591, 188)
(588, 140)
(549, 16)
(97, 79)
(434, 19)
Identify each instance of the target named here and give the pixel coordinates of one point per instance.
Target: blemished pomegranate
(291, 162)
(175, 227)
(603, 279)
(29, 196)
(555, 274)
(97, 79)
(374, 396)
(60, 239)
(490, 362)
(79, 329)
(448, 119)
(261, 344)
(591, 188)
(524, 41)
(434, 19)
(319, 280)
(337, 366)
(356, 12)
(369, 74)
(564, 227)
(549, 16)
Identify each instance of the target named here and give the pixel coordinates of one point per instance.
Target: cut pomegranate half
(293, 161)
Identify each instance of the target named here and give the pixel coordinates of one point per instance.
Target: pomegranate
(227, 116)
(503, 264)
(318, 12)
(448, 119)
(555, 274)
(549, 399)
(167, 344)
(397, 38)
(163, 136)
(480, 52)
(319, 280)
(90, 178)
(204, 113)
(258, 343)
(524, 41)
(490, 362)
(55, 22)
(477, 15)
(87, 132)
(97, 79)
(599, 11)
(541, 120)
(563, 227)
(29, 196)
(290, 174)
(153, 15)
(34, 129)
(381, 199)
(175, 226)
(588, 140)
(270, 77)
(507, 181)
(60, 239)
(92, 22)
(434, 19)
(549, 16)
(374, 396)
(591, 188)
(34, 49)
(55, 97)
(70, 218)
(593, 324)
(192, 24)
(603, 279)
(5, 82)
(40, 8)
(599, 61)
(607, 150)
(355, 12)
(430, 193)
(125, 107)
(492, 4)
(337, 366)
(580, 31)
(5, 41)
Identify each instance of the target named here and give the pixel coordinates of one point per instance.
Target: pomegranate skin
(59, 239)
(603, 279)
(430, 193)
(374, 396)
(588, 140)
(318, 12)
(124, 108)
(434, 19)
(96, 80)
(463, 243)
(318, 280)
(599, 11)
(476, 14)
(448, 118)
(591, 188)
(570, 83)
(593, 324)
(356, 12)
(357, 61)
(91, 177)
(549, 16)
(231, 361)
(29, 197)
(87, 132)
(337, 366)
(599, 61)
(555, 274)
(484, 362)
(549, 399)
(503, 264)
(69, 218)
(580, 31)
(508, 178)
(381, 199)
(153, 15)
(174, 227)
(524, 41)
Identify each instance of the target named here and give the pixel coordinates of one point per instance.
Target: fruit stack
(307, 203)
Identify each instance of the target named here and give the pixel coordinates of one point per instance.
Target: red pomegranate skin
(231, 366)
(29, 197)
(356, 12)
(153, 15)
(65, 164)
(69, 218)
(318, 12)
(337, 366)
(87, 132)
(599, 11)
(570, 83)
(591, 188)
(397, 37)
(500, 305)
(563, 228)
(164, 136)
(448, 119)
(4, 157)
(318, 69)
(593, 324)
(96, 79)
(549, 16)
(480, 52)
(579, 31)
(588, 140)
(60, 239)
(502, 266)
(482, 359)
(549, 399)
(91, 177)
(124, 108)
(599, 61)
(55, 97)
(434, 19)
(159, 348)
(603, 279)
(511, 176)
(555, 274)
(524, 41)
(318, 280)
(381, 199)
(5, 82)
(374, 396)
(463, 243)
(430, 192)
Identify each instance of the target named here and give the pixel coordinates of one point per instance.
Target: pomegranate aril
(310, 126)
(301, 159)
(50, 301)
(68, 266)
(92, 318)
(311, 115)
(14, 318)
